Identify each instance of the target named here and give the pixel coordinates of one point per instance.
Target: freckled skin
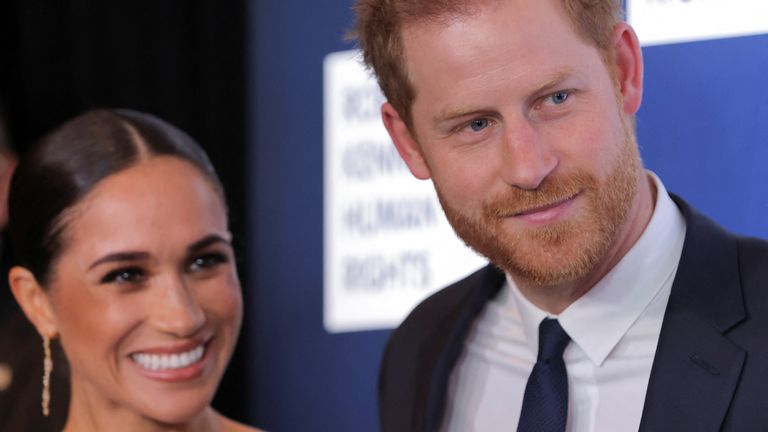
(159, 207)
(528, 140)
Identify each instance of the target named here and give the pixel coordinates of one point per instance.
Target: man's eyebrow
(451, 113)
(552, 83)
(120, 256)
(207, 241)
(454, 112)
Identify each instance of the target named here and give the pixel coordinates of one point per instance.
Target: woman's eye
(131, 275)
(479, 124)
(559, 97)
(207, 261)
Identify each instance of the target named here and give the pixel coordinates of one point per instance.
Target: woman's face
(145, 294)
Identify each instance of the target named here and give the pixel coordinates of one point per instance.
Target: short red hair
(380, 24)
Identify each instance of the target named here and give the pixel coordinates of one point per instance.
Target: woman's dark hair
(66, 164)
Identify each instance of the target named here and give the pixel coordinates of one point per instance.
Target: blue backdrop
(702, 128)
(304, 379)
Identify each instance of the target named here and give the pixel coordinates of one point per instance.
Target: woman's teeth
(155, 362)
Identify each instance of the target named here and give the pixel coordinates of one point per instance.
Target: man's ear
(629, 67)
(404, 142)
(34, 301)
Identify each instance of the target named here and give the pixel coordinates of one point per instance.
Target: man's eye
(479, 124)
(559, 97)
(207, 261)
(132, 275)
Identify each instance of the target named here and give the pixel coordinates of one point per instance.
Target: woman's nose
(176, 310)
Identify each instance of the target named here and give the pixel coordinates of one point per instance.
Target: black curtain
(182, 60)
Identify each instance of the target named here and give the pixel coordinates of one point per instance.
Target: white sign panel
(671, 21)
(387, 242)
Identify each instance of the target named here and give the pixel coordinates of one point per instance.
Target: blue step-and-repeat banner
(344, 242)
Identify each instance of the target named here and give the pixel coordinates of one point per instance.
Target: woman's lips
(172, 364)
(168, 361)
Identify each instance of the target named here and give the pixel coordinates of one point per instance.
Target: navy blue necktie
(545, 403)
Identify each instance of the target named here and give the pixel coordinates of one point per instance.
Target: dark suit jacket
(710, 372)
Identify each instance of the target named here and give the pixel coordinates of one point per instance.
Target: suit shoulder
(422, 345)
(430, 324)
(753, 262)
(445, 302)
(753, 247)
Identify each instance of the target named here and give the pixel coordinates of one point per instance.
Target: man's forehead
(456, 41)
(442, 13)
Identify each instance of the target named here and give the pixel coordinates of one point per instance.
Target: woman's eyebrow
(120, 256)
(137, 256)
(207, 241)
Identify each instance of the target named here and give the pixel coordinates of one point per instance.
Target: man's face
(518, 123)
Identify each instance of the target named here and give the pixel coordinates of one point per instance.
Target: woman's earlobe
(34, 301)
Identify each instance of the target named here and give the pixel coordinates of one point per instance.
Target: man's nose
(526, 158)
(176, 311)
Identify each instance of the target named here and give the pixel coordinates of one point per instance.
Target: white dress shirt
(614, 330)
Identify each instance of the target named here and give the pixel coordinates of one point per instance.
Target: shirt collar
(598, 320)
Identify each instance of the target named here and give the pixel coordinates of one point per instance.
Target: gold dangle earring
(47, 369)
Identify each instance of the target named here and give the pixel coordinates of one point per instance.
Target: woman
(119, 226)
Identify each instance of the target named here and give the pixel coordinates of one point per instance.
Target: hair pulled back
(69, 162)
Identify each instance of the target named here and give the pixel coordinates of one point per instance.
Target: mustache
(552, 190)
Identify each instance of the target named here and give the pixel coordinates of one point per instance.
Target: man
(651, 317)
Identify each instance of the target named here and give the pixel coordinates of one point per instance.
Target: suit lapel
(694, 376)
(483, 289)
(696, 368)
